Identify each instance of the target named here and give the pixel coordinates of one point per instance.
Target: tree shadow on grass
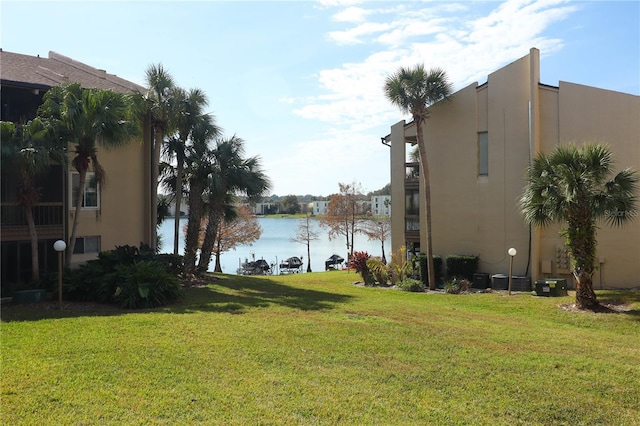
(234, 294)
(626, 302)
(211, 293)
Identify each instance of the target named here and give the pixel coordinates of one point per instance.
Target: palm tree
(27, 153)
(187, 115)
(88, 118)
(199, 161)
(414, 90)
(572, 186)
(232, 174)
(160, 84)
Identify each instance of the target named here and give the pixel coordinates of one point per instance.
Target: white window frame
(87, 245)
(89, 189)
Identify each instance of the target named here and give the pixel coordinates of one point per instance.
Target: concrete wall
(479, 215)
(579, 114)
(122, 218)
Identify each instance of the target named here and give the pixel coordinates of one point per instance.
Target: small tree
(572, 186)
(378, 229)
(344, 214)
(242, 230)
(305, 235)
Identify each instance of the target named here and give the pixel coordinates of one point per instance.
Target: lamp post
(59, 246)
(512, 252)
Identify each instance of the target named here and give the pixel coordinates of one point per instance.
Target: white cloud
(354, 35)
(468, 47)
(455, 37)
(351, 14)
(335, 3)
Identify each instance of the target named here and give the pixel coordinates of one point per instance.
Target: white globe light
(59, 245)
(512, 251)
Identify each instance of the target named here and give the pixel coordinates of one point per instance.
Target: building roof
(38, 72)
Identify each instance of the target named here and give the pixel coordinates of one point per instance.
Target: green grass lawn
(313, 349)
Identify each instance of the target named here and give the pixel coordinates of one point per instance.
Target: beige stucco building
(116, 213)
(479, 145)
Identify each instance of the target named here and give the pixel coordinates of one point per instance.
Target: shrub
(173, 263)
(410, 284)
(91, 281)
(121, 255)
(457, 286)
(359, 262)
(128, 276)
(437, 266)
(379, 270)
(146, 285)
(460, 266)
(399, 268)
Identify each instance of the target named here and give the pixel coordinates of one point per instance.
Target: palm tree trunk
(218, 267)
(33, 236)
(82, 177)
(581, 235)
(209, 239)
(428, 250)
(155, 170)
(176, 228)
(193, 226)
(585, 296)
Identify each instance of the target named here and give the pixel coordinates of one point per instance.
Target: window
(91, 199)
(412, 202)
(483, 154)
(87, 245)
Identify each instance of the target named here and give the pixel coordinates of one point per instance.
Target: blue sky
(301, 82)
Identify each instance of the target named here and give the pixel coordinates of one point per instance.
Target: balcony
(48, 217)
(412, 175)
(412, 228)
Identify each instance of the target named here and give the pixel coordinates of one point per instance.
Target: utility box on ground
(481, 281)
(552, 287)
(499, 282)
(521, 283)
(29, 296)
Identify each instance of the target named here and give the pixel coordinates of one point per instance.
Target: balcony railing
(44, 214)
(411, 225)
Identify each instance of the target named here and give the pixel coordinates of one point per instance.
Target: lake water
(275, 245)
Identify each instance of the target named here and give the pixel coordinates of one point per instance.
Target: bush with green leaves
(127, 276)
(92, 281)
(437, 266)
(457, 286)
(145, 284)
(411, 284)
(173, 263)
(462, 266)
(378, 270)
(399, 267)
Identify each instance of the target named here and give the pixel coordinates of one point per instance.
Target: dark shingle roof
(57, 69)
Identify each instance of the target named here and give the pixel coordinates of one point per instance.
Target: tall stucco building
(479, 145)
(113, 214)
